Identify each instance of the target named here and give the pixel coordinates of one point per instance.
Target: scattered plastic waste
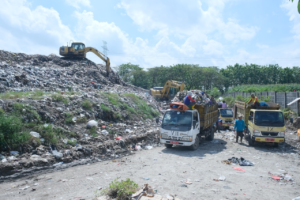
(25, 188)
(14, 153)
(221, 178)
(148, 147)
(57, 164)
(239, 169)
(118, 138)
(138, 148)
(35, 134)
(276, 177)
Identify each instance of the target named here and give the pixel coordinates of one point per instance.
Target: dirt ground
(167, 170)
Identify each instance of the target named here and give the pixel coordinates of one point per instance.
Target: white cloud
(78, 3)
(38, 30)
(293, 14)
(262, 46)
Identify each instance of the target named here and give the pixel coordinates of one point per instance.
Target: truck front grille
(269, 134)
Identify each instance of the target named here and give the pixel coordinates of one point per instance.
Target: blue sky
(154, 32)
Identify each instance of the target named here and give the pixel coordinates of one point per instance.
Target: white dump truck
(184, 128)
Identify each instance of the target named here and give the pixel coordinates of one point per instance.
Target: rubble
(94, 116)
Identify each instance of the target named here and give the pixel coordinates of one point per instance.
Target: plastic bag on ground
(244, 162)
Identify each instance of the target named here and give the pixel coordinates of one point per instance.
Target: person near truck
(224, 105)
(189, 101)
(239, 127)
(254, 100)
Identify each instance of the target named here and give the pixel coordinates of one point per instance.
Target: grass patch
(24, 110)
(105, 108)
(81, 120)
(69, 119)
(12, 133)
(93, 131)
(17, 95)
(87, 105)
(60, 98)
(143, 108)
(72, 142)
(121, 190)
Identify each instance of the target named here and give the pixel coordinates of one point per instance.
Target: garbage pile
(201, 97)
(96, 116)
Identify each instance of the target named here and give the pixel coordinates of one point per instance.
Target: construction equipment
(78, 50)
(169, 90)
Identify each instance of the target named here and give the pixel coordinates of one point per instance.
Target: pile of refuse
(96, 116)
(201, 97)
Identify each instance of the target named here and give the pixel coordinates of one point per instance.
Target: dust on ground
(168, 170)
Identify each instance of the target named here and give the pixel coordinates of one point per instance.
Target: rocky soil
(73, 112)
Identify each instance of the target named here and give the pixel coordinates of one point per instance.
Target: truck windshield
(175, 120)
(267, 118)
(226, 112)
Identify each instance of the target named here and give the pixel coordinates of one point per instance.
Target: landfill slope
(73, 111)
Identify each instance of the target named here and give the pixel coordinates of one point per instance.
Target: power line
(105, 49)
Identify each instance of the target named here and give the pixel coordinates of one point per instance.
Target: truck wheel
(250, 141)
(168, 145)
(196, 144)
(211, 135)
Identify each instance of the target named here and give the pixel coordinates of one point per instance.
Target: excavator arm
(100, 55)
(165, 91)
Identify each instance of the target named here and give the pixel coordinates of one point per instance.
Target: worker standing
(189, 101)
(224, 105)
(254, 100)
(239, 127)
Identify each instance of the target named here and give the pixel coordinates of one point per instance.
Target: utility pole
(105, 49)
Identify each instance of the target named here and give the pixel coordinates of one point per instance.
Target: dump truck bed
(241, 108)
(208, 115)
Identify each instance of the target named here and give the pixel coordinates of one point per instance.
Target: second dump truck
(184, 128)
(263, 124)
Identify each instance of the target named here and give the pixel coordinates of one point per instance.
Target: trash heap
(91, 115)
(201, 97)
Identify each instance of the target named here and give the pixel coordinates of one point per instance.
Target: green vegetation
(69, 119)
(121, 190)
(266, 88)
(16, 95)
(143, 108)
(60, 98)
(93, 132)
(87, 105)
(72, 142)
(28, 111)
(105, 108)
(81, 120)
(213, 79)
(12, 132)
(288, 113)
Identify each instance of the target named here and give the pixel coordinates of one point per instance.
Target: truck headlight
(164, 136)
(282, 134)
(256, 132)
(186, 138)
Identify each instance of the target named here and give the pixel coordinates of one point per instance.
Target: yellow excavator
(169, 90)
(78, 50)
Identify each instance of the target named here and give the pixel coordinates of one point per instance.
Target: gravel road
(167, 170)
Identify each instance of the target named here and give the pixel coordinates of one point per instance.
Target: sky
(151, 33)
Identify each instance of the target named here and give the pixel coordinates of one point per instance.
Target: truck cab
(266, 126)
(226, 115)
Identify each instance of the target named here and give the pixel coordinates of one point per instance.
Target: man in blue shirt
(239, 127)
(189, 101)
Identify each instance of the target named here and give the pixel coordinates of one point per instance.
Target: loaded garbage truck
(186, 127)
(263, 124)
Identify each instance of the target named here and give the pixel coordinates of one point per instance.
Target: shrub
(72, 142)
(87, 105)
(121, 190)
(58, 97)
(69, 119)
(105, 108)
(11, 133)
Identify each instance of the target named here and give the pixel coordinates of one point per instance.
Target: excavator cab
(77, 46)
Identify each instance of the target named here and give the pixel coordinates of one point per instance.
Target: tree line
(208, 78)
